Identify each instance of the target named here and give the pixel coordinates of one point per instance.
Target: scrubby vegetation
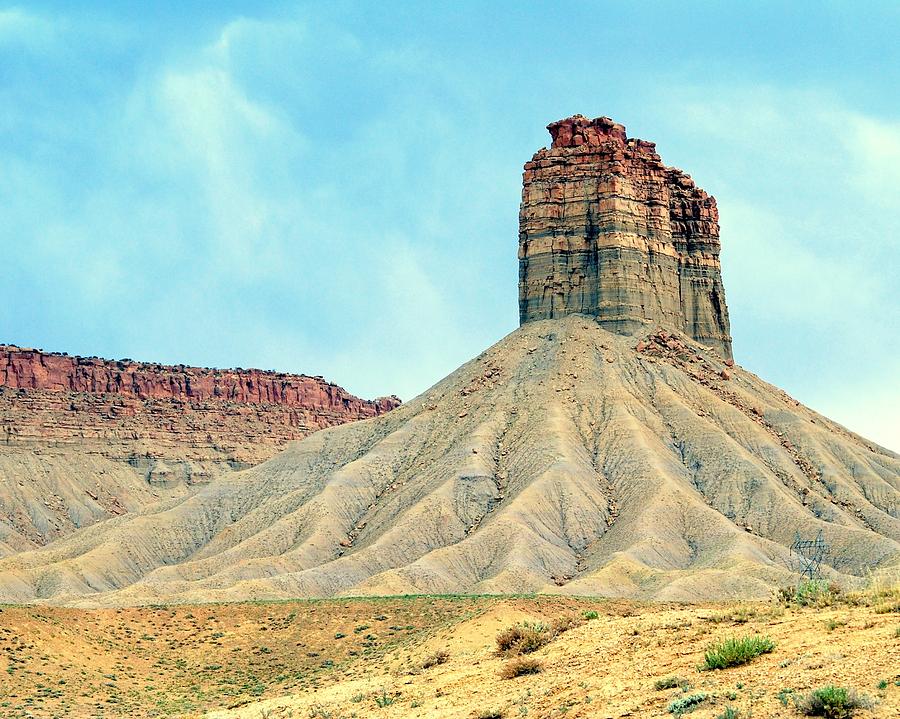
(528, 637)
(810, 593)
(435, 658)
(833, 702)
(687, 703)
(671, 683)
(520, 666)
(736, 651)
(523, 638)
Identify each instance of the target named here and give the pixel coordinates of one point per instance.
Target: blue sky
(333, 188)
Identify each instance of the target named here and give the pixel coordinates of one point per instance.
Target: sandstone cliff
(34, 369)
(82, 439)
(605, 229)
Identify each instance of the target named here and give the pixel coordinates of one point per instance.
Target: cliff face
(128, 410)
(33, 369)
(605, 229)
(82, 439)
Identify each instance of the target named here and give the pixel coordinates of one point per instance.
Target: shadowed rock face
(605, 229)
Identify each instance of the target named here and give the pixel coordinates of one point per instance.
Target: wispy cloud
(303, 192)
(23, 29)
(810, 218)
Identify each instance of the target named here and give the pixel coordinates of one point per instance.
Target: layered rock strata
(173, 412)
(82, 439)
(565, 458)
(606, 229)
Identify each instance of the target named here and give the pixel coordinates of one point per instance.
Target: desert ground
(439, 657)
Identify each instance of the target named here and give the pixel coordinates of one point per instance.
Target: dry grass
(520, 666)
(523, 638)
(435, 658)
(527, 637)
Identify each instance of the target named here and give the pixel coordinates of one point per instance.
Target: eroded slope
(564, 458)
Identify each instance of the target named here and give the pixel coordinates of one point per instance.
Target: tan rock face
(605, 229)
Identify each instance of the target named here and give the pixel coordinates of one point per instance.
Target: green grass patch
(736, 651)
(833, 702)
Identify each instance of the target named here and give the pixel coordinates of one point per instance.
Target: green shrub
(590, 614)
(687, 704)
(671, 683)
(783, 696)
(734, 652)
(384, 699)
(833, 702)
(520, 666)
(729, 713)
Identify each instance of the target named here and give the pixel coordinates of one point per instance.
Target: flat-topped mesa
(178, 413)
(606, 229)
(25, 368)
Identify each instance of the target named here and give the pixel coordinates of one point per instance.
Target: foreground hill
(435, 658)
(563, 459)
(83, 438)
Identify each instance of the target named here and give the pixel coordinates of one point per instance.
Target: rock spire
(606, 229)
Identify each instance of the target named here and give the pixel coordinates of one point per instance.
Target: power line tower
(809, 554)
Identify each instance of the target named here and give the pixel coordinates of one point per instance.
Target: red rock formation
(34, 369)
(125, 408)
(606, 229)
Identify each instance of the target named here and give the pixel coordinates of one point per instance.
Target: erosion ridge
(561, 459)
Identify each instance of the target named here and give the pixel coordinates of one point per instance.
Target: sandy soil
(345, 658)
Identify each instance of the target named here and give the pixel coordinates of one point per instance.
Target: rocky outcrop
(82, 439)
(34, 369)
(178, 413)
(606, 229)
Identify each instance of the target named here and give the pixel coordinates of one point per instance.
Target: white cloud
(21, 28)
(810, 221)
(874, 146)
(768, 259)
